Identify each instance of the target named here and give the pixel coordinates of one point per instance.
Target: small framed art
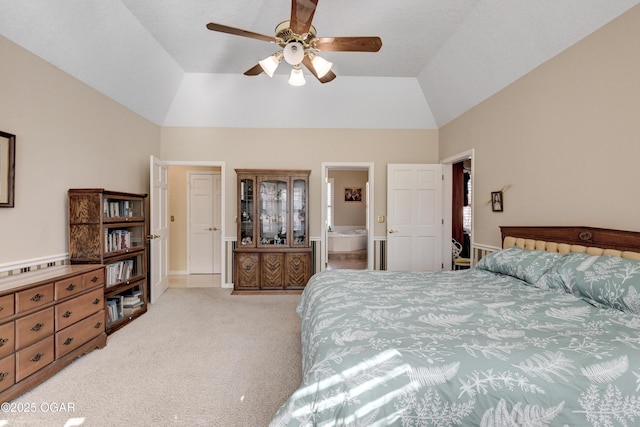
(496, 201)
(353, 194)
(7, 169)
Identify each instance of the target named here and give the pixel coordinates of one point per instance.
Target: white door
(159, 227)
(204, 222)
(414, 217)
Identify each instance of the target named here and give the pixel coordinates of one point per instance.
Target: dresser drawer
(34, 327)
(70, 312)
(79, 333)
(33, 358)
(68, 287)
(7, 307)
(7, 339)
(7, 372)
(93, 278)
(34, 297)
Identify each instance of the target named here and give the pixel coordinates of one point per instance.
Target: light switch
(381, 219)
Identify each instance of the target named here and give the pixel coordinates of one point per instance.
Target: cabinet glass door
(246, 211)
(299, 212)
(273, 212)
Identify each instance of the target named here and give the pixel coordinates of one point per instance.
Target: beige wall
(300, 149)
(566, 137)
(349, 213)
(67, 135)
(178, 180)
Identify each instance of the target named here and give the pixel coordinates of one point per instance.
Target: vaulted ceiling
(439, 58)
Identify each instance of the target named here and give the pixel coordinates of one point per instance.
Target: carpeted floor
(198, 357)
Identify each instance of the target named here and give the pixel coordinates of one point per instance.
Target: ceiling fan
(300, 45)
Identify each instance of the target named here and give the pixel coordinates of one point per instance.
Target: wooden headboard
(586, 236)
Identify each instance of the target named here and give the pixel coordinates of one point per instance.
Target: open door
(414, 217)
(159, 227)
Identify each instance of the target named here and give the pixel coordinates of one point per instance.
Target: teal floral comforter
(524, 339)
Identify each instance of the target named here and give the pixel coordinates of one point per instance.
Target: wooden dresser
(48, 318)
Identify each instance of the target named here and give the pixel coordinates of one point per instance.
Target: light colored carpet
(198, 357)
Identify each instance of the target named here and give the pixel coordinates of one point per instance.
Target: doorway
(196, 221)
(460, 202)
(347, 212)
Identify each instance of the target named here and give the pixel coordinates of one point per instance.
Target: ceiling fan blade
(348, 44)
(324, 79)
(254, 71)
(301, 15)
(238, 32)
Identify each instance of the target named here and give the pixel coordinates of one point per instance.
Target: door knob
(211, 229)
(392, 231)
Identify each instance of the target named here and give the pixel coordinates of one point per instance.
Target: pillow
(551, 280)
(526, 265)
(607, 281)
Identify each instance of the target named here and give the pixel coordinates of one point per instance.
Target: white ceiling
(439, 57)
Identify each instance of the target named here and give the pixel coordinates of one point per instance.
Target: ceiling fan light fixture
(270, 63)
(293, 53)
(296, 78)
(321, 65)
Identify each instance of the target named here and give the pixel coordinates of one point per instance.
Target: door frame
(448, 201)
(355, 166)
(222, 166)
(190, 173)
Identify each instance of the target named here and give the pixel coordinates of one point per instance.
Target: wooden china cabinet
(273, 253)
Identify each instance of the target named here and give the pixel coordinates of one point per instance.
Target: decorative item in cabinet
(272, 251)
(110, 228)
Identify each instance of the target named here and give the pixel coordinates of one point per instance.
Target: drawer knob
(37, 357)
(37, 297)
(94, 279)
(97, 325)
(66, 314)
(1, 308)
(3, 341)
(97, 301)
(71, 287)
(68, 341)
(37, 327)
(3, 375)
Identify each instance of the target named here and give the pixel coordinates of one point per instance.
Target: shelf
(110, 228)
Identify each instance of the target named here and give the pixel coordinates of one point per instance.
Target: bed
(544, 332)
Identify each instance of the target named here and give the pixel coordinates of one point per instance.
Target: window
(330, 193)
(466, 210)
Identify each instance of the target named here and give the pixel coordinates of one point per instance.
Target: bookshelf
(110, 228)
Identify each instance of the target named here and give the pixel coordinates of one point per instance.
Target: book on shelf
(116, 240)
(115, 308)
(118, 208)
(119, 271)
(129, 310)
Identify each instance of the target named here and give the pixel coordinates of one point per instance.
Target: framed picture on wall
(496, 201)
(353, 194)
(7, 169)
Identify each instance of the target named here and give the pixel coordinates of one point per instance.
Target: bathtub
(347, 240)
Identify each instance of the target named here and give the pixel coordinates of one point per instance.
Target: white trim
(17, 265)
(486, 247)
(178, 273)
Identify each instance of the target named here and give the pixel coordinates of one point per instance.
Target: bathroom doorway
(347, 214)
